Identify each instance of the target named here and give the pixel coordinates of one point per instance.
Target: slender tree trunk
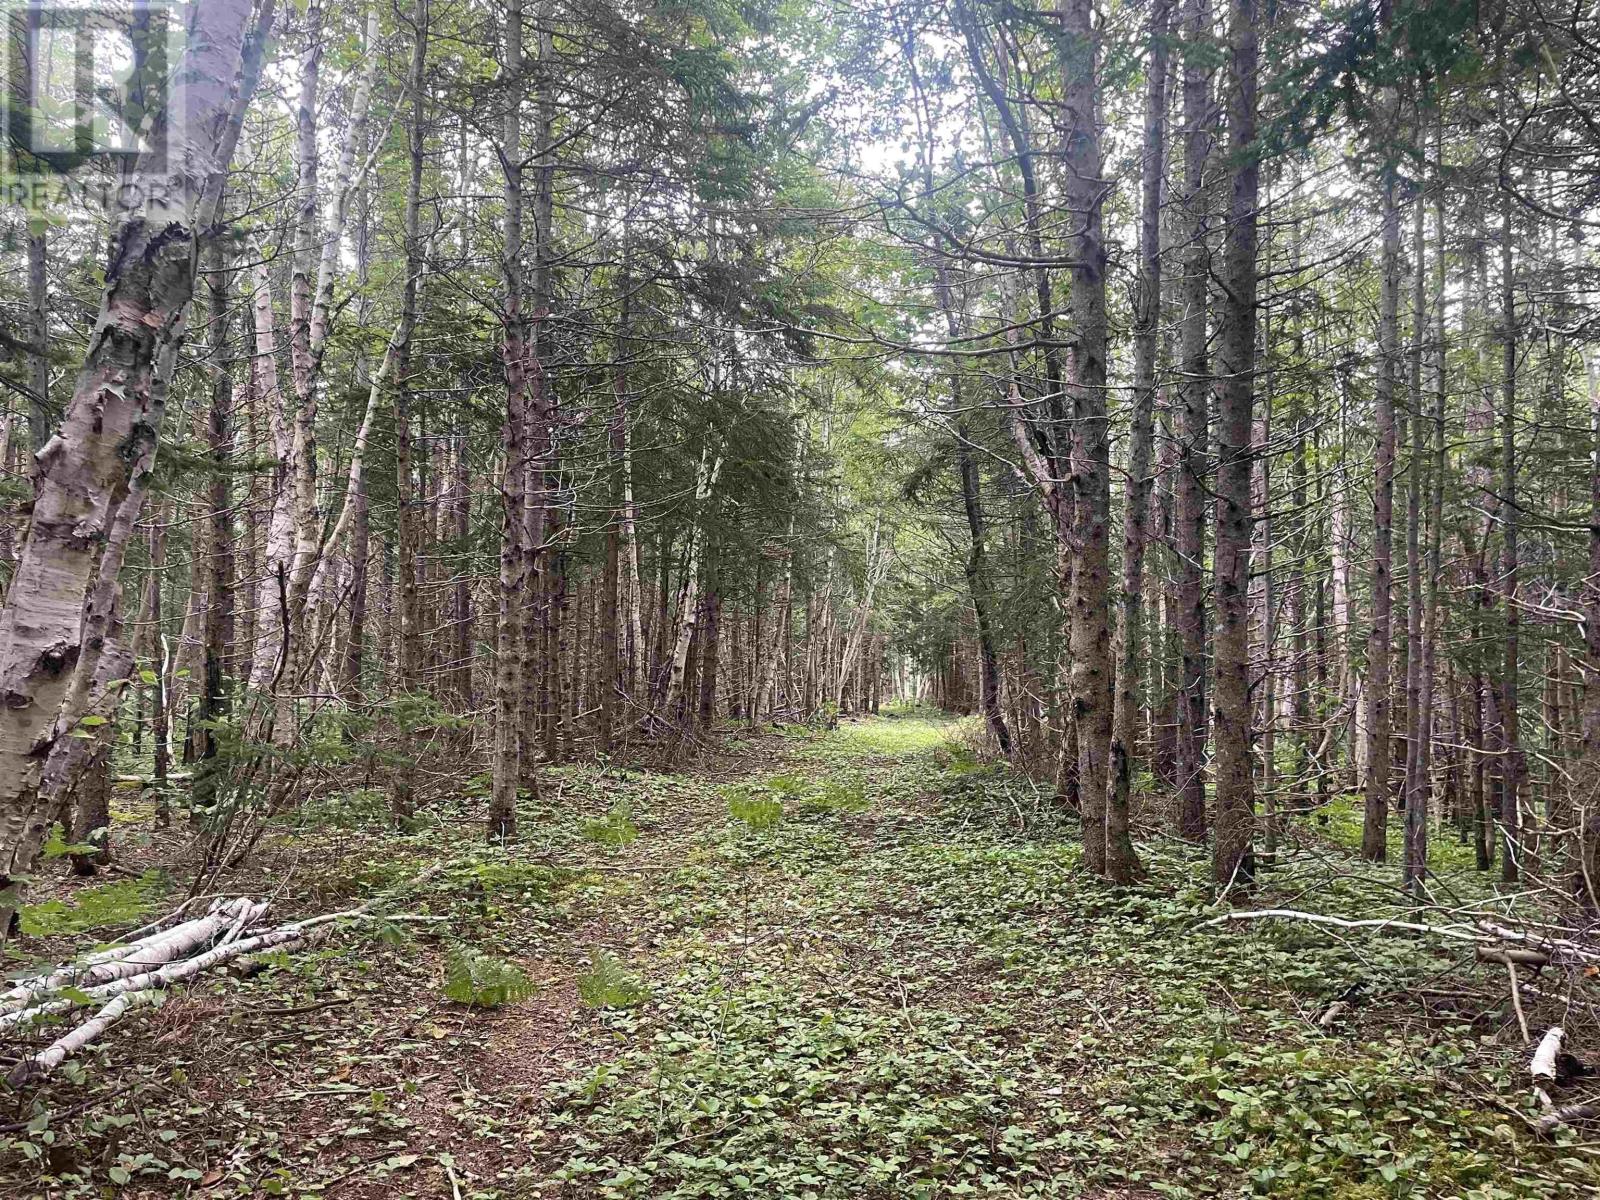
(1421, 589)
(675, 705)
(764, 699)
(978, 585)
(218, 634)
(541, 473)
(1266, 672)
(710, 652)
(556, 628)
(1194, 393)
(617, 681)
(409, 667)
(1375, 821)
(1512, 766)
(1585, 864)
(268, 664)
(1233, 860)
(1136, 503)
(461, 606)
(39, 411)
(511, 627)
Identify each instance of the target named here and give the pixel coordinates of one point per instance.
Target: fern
(126, 902)
(483, 980)
(57, 846)
(833, 796)
(758, 812)
(615, 829)
(609, 985)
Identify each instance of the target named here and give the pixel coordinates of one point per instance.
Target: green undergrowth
(102, 907)
(862, 963)
(923, 995)
(1341, 819)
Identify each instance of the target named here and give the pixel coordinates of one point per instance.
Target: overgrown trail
(857, 964)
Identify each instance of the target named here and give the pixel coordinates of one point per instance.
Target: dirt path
(853, 965)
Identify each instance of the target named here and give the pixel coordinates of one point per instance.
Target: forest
(697, 598)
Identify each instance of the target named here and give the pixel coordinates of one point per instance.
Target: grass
(902, 986)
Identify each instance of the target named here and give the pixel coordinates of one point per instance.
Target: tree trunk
(1512, 766)
(409, 666)
(675, 706)
(511, 626)
(1585, 863)
(1090, 441)
(155, 623)
(1194, 393)
(710, 653)
(39, 410)
(1136, 502)
(1233, 860)
(1421, 592)
(218, 634)
(95, 462)
(1375, 820)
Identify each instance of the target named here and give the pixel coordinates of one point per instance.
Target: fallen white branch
(1293, 914)
(135, 959)
(1513, 954)
(1516, 1003)
(1554, 946)
(53, 1055)
(154, 965)
(1484, 933)
(1543, 1067)
(1557, 1117)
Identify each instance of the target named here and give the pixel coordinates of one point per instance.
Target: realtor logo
(86, 82)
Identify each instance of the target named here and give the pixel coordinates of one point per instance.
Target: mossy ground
(851, 964)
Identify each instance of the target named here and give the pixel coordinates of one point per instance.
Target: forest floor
(857, 963)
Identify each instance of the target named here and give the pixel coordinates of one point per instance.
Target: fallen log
(53, 1055)
(1484, 933)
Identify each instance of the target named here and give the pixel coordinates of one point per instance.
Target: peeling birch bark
(1543, 1066)
(89, 467)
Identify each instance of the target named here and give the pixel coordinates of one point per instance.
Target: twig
(1516, 1003)
(1557, 1117)
(455, 1186)
(301, 1010)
